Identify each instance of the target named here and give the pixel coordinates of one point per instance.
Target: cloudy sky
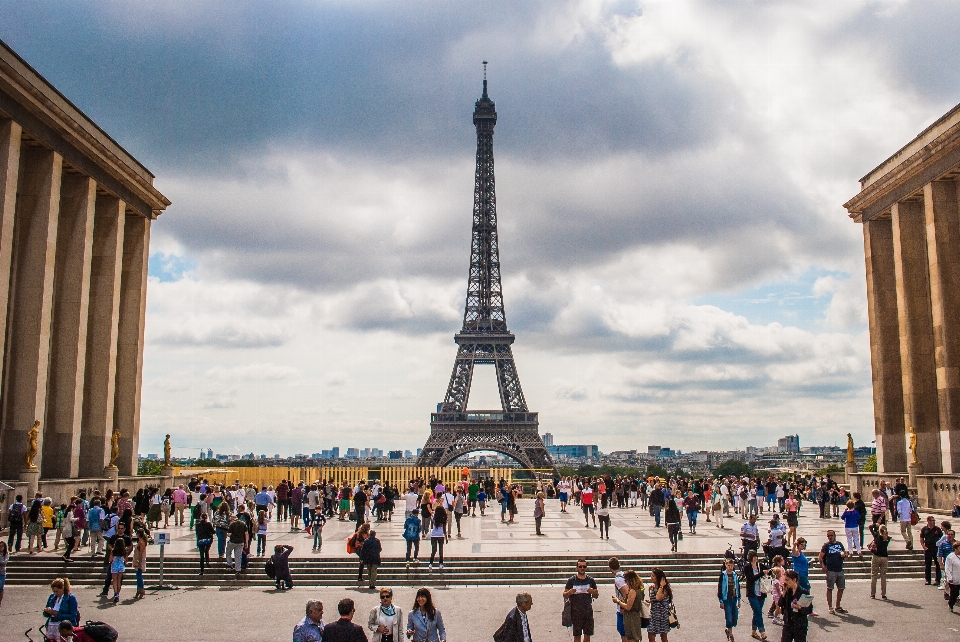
(678, 268)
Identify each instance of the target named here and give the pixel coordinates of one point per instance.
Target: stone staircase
(460, 571)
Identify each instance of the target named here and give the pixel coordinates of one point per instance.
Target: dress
(633, 619)
(659, 616)
(34, 529)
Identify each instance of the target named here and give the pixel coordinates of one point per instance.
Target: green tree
(870, 466)
(148, 467)
(829, 470)
(732, 467)
(656, 470)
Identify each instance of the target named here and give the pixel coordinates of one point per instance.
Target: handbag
(566, 618)
(672, 618)
(766, 584)
(914, 518)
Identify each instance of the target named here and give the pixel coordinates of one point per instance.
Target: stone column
(31, 304)
(884, 345)
(133, 306)
(920, 403)
(943, 248)
(61, 452)
(9, 171)
(101, 354)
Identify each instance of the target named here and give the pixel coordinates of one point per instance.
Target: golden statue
(913, 447)
(850, 459)
(166, 451)
(31, 451)
(114, 447)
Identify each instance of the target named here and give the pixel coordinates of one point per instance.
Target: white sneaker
(441, 567)
(430, 567)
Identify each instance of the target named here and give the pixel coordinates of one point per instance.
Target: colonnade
(913, 296)
(73, 277)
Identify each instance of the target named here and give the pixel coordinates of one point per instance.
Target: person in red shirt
(586, 502)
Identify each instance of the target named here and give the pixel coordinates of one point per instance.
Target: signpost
(162, 538)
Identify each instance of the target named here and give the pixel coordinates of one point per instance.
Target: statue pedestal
(30, 477)
(912, 471)
(168, 471)
(112, 475)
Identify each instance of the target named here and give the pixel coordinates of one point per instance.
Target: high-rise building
(789, 444)
(209, 453)
(353, 453)
(547, 439)
(335, 452)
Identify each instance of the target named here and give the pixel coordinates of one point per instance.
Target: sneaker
(408, 564)
(840, 609)
(441, 567)
(831, 611)
(116, 598)
(416, 561)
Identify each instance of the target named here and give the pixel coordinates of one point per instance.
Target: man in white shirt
(412, 500)
(904, 513)
(750, 535)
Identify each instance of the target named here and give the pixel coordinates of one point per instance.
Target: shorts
(588, 510)
(563, 497)
(582, 624)
(471, 503)
(622, 631)
(835, 578)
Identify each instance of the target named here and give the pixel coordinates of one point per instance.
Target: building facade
(75, 216)
(908, 209)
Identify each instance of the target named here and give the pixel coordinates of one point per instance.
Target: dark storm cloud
(199, 86)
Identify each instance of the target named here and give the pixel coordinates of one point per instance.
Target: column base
(168, 471)
(111, 474)
(912, 471)
(30, 477)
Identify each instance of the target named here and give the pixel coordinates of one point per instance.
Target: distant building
(574, 451)
(407, 454)
(547, 439)
(789, 444)
(209, 453)
(660, 451)
(396, 454)
(353, 453)
(335, 452)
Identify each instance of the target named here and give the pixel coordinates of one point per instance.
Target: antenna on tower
(484, 77)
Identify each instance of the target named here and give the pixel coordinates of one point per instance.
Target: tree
(206, 463)
(870, 466)
(733, 467)
(656, 470)
(148, 467)
(830, 470)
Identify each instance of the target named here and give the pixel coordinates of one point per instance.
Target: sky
(677, 264)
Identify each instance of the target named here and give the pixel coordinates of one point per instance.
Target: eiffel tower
(484, 339)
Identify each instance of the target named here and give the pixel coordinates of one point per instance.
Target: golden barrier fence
(395, 475)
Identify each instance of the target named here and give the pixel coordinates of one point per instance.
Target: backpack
(270, 569)
(352, 543)
(100, 631)
(411, 530)
(15, 513)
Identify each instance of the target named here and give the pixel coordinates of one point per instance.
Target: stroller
(88, 632)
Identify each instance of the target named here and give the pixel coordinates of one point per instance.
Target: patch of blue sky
(790, 301)
(170, 267)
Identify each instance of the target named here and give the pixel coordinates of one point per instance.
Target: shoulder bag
(566, 618)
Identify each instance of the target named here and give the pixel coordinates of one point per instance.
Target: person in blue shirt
(728, 592)
(801, 564)
(62, 604)
(411, 533)
(482, 500)
(851, 526)
(262, 500)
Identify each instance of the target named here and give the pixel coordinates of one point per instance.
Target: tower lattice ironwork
(484, 339)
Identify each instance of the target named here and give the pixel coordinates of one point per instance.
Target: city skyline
(670, 179)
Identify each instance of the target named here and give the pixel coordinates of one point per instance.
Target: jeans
(317, 538)
(204, 556)
(435, 543)
(96, 542)
(261, 543)
(853, 540)
(415, 545)
(235, 553)
(221, 541)
(139, 579)
(656, 513)
(604, 524)
(16, 529)
(692, 518)
(756, 604)
(538, 520)
(731, 611)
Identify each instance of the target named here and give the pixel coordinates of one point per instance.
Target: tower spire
(484, 78)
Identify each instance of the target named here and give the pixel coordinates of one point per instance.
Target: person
(945, 547)
(473, 491)
(603, 515)
(437, 535)
(482, 501)
(261, 532)
(728, 592)
(179, 505)
(929, 536)
(117, 533)
(205, 532)
(904, 513)
(691, 505)
(411, 533)
(586, 503)
(344, 630)
(69, 531)
(879, 561)
(801, 564)
(4, 559)
(657, 501)
(34, 528)
(861, 508)
(239, 539)
(878, 508)
(62, 604)
(281, 566)
(538, 513)
(15, 516)
(95, 526)
(516, 626)
(753, 572)
(370, 555)
(636, 615)
(619, 592)
(118, 566)
(424, 622)
(581, 590)
(792, 507)
(563, 493)
(851, 527)
(951, 570)
(140, 562)
(831, 559)
(661, 603)
(310, 628)
(794, 615)
(671, 517)
(750, 535)
(385, 620)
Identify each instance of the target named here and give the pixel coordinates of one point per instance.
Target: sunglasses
(385, 597)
